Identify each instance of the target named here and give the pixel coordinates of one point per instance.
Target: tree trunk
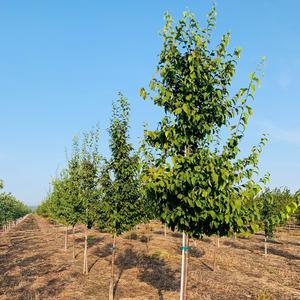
(187, 243)
(165, 230)
(66, 238)
(266, 245)
(112, 278)
(184, 266)
(216, 248)
(85, 257)
(73, 234)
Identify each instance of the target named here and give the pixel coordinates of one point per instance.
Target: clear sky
(63, 62)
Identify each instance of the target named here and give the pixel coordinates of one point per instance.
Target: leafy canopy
(199, 181)
(121, 207)
(276, 206)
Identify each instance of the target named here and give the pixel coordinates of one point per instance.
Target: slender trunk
(83, 269)
(184, 259)
(85, 257)
(266, 245)
(73, 234)
(216, 251)
(183, 280)
(187, 243)
(66, 238)
(112, 278)
(165, 230)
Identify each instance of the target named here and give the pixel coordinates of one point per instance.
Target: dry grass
(34, 265)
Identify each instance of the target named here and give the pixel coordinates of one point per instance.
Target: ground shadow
(206, 240)
(158, 232)
(154, 270)
(281, 253)
(237, 245)
(176, 234)
(104, 251)
(156, 273)
(196, 252)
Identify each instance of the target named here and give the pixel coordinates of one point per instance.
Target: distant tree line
(11, 209)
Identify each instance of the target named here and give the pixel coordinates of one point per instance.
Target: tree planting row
(189, 171)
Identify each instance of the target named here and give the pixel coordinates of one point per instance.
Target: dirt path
(31, 263)
(34, 266)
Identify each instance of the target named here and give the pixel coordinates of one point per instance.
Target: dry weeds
(35, 266)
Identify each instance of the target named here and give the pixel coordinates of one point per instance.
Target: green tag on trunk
(185, 248)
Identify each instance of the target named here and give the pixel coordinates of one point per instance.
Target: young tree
(199, 168)
(59, 201)
(146, 161)
(75, 194)
(276, 207)
(88, 177)
(74, 207)
(121, 202)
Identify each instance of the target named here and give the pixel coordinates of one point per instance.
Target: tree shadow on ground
(282, 253)
(243, 237)
(153, 270)
(275, 242)
(131, 236)
(29, 268)
(196, 252)
(91, 240)
(158, 232)
(237, 245)
(271, 250)
(102, 252)
(145, 239)
(176, 234)
(206, 240)
(291, 243)
(50, 290)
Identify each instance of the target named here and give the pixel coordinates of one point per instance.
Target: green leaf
(177, 111)
(186, 108)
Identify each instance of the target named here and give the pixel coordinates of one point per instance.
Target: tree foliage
(199, 180)
(74, 195)
(276, 206)
(121, 203)
(10, 208)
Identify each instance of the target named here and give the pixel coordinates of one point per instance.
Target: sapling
(198, 168)
(121, 202)
(276, 206)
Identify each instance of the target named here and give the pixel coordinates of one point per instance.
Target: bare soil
(34, 265)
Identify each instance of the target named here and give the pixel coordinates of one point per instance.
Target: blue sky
(63, 62)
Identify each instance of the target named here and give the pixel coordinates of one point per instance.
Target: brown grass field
(34, 265)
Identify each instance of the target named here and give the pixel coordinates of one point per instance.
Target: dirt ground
(34, 265)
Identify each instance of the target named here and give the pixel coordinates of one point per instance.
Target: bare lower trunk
(73, 234)
(165, 230)
(85, 257)
(216, 248)
(187, 243)
(112, 278)
(66, 238)
(184, 266)
(266, 245)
